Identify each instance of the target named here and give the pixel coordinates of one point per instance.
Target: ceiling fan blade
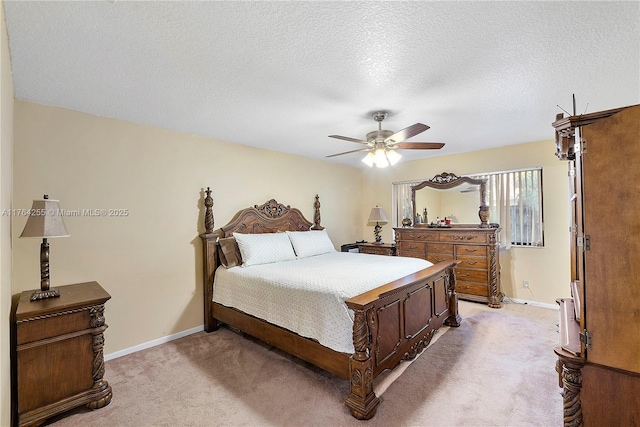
(349, 152)
(346, 138)
(407, 133)
(419, 145)
(470, 190)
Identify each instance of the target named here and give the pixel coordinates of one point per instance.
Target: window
(515, 202)
(402, 207)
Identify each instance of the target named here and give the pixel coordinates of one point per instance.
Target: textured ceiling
(285, 75)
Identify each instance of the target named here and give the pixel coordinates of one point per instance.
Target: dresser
(59, 362)
(377, 249)
(478, 274)
(599, 324)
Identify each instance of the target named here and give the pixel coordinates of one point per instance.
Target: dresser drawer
(436, 258)
(472, 289)
(417, 235)
(418, 247)
(472, 262)
(439, 248)
(412, 254)
(463, 238)
(471, 250)
(466, 275)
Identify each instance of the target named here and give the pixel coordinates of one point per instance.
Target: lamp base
(376, 233)
(49, 293)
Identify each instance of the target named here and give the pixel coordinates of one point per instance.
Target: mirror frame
(447, 180)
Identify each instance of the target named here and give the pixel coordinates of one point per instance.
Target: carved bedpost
(208, 214)
(362, 401)
(454, 318)
(209, 247)
(316, 215)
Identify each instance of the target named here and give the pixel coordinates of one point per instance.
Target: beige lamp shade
(377, 215)
(45, 220)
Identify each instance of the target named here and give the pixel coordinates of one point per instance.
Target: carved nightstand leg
(101, 391)
(104, 397)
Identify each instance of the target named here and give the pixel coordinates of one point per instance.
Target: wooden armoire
(599, 328)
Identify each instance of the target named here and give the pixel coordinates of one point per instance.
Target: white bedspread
(308, 295)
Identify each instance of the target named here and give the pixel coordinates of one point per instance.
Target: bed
(388, 322)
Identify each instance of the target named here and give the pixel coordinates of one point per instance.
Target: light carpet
(497, 369)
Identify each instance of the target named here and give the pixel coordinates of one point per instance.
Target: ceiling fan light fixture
(381, 144)
(368, 159)
(380, 158)
(393, 157)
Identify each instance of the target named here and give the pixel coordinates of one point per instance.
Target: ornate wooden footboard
(393, 322)
(396, 322)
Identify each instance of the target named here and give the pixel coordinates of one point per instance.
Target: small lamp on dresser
(377, 216)
(45, 222)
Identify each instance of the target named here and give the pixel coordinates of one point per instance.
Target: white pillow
(264, 248)
(310, 243)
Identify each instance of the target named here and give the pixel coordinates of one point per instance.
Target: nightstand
(377, 249)
(59, 358)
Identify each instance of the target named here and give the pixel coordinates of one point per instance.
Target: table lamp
(45, 221)
(377, 216)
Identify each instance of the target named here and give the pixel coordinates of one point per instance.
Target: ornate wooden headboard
(269, 217)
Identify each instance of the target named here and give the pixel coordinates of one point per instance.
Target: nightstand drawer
(377, 249)
(52, 325)
(40, 365)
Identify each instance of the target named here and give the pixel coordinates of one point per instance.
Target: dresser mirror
(451, 196)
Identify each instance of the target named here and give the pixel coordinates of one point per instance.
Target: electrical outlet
(525, 283)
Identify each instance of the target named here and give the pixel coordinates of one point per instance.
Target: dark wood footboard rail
(392, 323)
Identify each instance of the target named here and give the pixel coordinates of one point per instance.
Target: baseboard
(153, 343)
(536, 303)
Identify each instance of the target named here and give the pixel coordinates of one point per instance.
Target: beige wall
(6, 184)
(546, 269)
(150, 261)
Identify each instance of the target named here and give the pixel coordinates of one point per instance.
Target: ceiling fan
(381, 144)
